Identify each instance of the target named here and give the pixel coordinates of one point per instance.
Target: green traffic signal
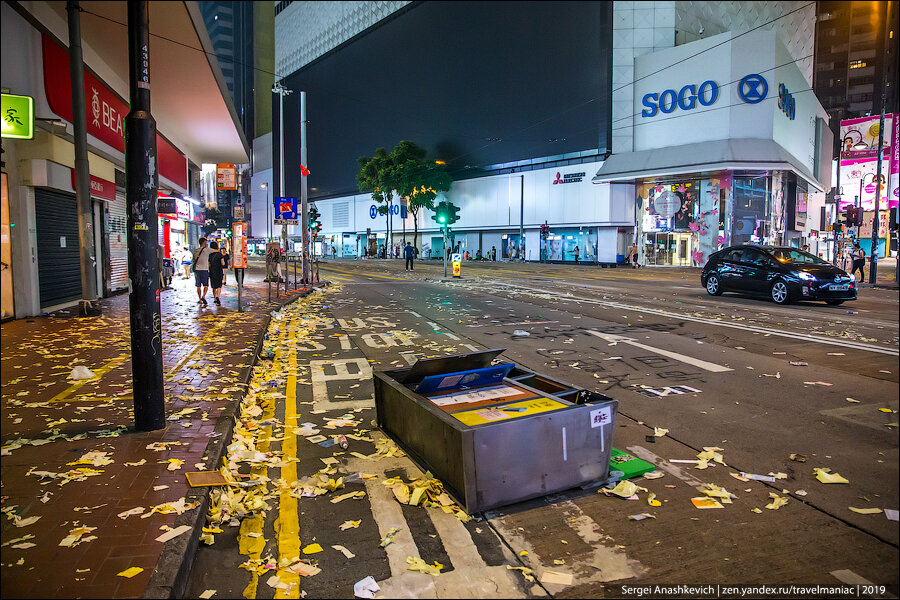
(442, 218)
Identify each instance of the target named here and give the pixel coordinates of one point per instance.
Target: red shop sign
(104, 111)
(100, 188)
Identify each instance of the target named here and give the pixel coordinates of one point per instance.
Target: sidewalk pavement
(85, 497)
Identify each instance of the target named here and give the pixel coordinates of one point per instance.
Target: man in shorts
(201, 270)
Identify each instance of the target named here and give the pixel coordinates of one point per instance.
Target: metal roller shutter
(59, 266)
(118, 243)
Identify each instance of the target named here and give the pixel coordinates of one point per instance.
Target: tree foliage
(406, 171)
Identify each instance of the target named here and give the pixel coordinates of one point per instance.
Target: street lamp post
(265, 186)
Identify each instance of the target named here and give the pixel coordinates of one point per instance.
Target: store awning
(718, 155)
(190, 100)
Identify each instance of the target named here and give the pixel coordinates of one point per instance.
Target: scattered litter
(344, 550)
(350, 525)
(798, 363)
(824, 475)
(205, 478)
(207, 594)
(777, 501)
(706, 502)
(756, 510)
(885, 410)
(659, 431)
(654, 474)
(174, 533)
(891, 514)
(130, 572)
(835, 354)
(366, 588)
(77, 535)
(801, 492)
(797, 457)
(641, 517)
(520, 332)
(388, 537)
(81, 372)
(312, 549)
(556, 577)
(526, 572)
(866, 511)
(739, 477)
(758, 477)
(420, 566)
(652, 501)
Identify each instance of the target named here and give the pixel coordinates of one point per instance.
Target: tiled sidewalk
(50, 422)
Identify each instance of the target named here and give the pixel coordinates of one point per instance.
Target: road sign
(18, 117)
(238, 212)
(285, 211)
(239, 241)
(226, 176)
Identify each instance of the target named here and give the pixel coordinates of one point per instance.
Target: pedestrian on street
(410, 253)
(633, 256)
(333, 251)
(186, 258)
(494, 253)
(226, 256)
(216, 271)
(200, 266)
(160, 253)
(576, 254)
(859, 261)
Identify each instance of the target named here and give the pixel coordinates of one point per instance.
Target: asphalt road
(620, 332)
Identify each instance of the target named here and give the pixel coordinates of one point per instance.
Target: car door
(754, 270)
(730, 269)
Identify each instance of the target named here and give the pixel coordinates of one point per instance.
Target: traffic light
(545, 231)
(853, 216)
(445, 213)
(838, 227)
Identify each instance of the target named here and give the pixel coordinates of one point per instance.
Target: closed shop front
(59, 268)
(118, 243)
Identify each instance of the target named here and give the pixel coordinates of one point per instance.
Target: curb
(173, 569)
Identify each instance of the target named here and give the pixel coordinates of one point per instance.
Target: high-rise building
(851, 62)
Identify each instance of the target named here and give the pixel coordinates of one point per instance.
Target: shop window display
(562, 243)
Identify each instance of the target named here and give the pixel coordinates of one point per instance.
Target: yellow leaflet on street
(130, 572)
(419, 565)
(824, 475)
(659, 432)
(866, 511)
(354, 495)
(350, 525)
(344, 551)
(312, 549)
(777, 501)
(652, 501)
(401, 492)
(526, 572)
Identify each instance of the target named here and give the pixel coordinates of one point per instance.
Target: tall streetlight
(265, 186)
(282, 92)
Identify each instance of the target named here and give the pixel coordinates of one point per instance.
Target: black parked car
(782, 273)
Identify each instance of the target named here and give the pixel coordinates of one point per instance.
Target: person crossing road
(410, 253)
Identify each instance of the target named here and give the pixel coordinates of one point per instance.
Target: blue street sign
(285, 211)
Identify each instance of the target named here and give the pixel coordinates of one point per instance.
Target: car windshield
(793, 255)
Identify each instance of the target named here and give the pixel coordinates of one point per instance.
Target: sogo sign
(669, 100)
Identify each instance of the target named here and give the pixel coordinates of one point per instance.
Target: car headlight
(852, 277)
(805, 275)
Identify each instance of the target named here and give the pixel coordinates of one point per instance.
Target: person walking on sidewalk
(200, 266)
(216, 271)
(633, 256)
(576, 254)
(859, 261)
(493, 253)
(410, 253)
(186, 258)
(226, 256)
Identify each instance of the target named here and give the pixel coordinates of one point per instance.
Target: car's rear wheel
(780, 293)
(834, 302)
(713, 286)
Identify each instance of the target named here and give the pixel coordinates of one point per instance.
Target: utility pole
(873, 270)
(282, 92)
(304, 196)
(142, 182)
(88, 257)
(522, 219)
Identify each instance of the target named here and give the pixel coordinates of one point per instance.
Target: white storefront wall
(490, 206)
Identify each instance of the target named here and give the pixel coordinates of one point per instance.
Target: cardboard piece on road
(556, 577)
(205, 478)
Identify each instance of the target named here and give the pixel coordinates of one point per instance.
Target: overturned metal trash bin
(495, 434)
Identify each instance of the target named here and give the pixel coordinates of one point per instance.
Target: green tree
(406, 171)
(376, 175)
(211, 220)
(418, 180)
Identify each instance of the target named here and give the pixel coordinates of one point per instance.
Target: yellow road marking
(199, 345)
(106, 368)
(332, 269)
(253, 546)
(342, 278)
(287, 526)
